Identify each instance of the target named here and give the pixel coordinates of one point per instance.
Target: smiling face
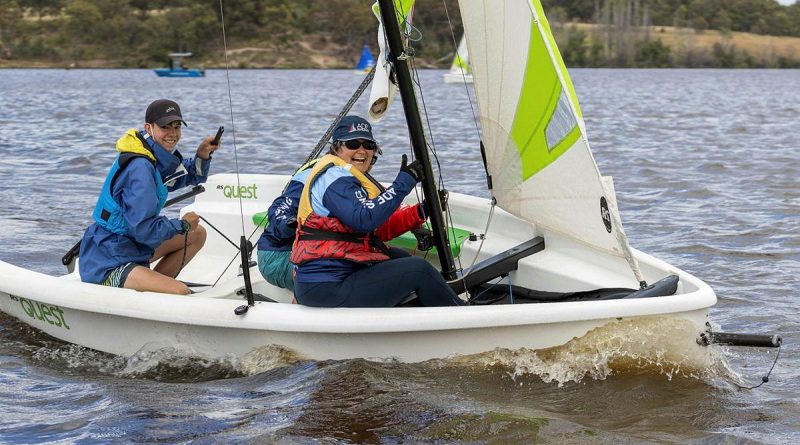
(360, 158)
(166, 136)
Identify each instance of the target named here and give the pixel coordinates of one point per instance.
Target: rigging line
(448, 214)
(483, 238)
(449, 218)
(349, 105)
(765, 378)
(220, 232)
(235, 255)
(230, 105)
(474, 297)
(463, 75)
(432, 144)
(432, 148)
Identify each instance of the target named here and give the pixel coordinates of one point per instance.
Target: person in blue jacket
(341, 260)
(275, 244)
(129, 232)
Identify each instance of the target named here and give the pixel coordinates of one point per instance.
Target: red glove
(402, 220)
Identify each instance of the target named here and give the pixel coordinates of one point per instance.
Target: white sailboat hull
(125, 322)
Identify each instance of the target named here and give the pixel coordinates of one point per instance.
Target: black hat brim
(170, 119)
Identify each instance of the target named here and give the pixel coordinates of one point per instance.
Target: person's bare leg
(146, 280)
(171, 251)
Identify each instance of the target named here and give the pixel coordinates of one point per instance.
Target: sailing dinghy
(460, 71)
(365, 61)
(552, 266)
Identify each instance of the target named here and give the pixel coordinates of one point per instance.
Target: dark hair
(335, 146)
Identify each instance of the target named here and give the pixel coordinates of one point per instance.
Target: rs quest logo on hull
(239, 191)
(42, 312)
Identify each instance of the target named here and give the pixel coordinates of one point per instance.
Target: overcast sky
(786, 2)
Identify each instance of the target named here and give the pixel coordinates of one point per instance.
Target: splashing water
(645, 345)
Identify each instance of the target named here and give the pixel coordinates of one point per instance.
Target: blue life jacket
(108, 213)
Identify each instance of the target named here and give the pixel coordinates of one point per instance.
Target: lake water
(706, 166)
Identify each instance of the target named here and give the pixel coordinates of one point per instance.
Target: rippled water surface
(706, 166)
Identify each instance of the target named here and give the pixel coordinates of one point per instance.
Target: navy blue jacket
(338, 193)
(134, 189)
(279, 234)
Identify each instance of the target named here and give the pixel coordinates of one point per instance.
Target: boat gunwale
(284, 317)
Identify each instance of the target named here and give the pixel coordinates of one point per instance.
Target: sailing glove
(414, 169)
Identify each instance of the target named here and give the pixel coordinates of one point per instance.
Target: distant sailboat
(366, 61)
(177, 68)
(460, 71)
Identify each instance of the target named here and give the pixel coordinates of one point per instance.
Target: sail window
(562, 122)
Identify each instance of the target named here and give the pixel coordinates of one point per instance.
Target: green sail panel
(461, 60)
(545, 126)
(537, 152)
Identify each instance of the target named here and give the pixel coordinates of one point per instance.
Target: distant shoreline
(87, 68)
(669, 47)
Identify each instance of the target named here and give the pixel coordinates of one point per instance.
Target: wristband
(186, 226)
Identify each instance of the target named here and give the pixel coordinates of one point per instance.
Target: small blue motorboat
(178, 69)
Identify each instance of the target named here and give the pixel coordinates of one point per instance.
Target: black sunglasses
(355, 144)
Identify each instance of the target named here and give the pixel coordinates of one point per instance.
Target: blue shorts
(117, 277)
(275, 267)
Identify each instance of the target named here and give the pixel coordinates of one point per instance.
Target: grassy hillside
(676, 47)
(313, 34)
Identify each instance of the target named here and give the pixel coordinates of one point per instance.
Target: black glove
(424, 239)
(414, 169)
(291, 222)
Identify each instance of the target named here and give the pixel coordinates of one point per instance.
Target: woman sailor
(340, 258)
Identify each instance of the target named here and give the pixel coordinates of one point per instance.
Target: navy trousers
(384, 284)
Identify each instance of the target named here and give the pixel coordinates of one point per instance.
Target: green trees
(622, 32)
(141, 32)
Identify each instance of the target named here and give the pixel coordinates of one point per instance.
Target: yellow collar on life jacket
(323, 164)
(130, 143)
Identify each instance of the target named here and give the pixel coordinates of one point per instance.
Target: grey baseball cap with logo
(163, 112)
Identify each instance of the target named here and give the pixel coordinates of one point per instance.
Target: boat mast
(399, 60)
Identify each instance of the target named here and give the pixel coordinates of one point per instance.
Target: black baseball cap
(163, 112)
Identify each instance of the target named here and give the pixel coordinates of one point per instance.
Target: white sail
(383, 90)
(536, 145)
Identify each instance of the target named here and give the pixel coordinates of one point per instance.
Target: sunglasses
(355, 144)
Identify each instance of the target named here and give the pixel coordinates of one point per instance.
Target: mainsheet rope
(314, 153)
